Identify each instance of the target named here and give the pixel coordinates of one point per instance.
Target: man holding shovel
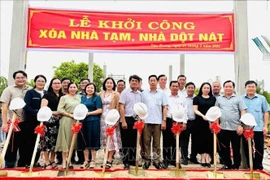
(128, 98)
(17, 90)
(258, 107)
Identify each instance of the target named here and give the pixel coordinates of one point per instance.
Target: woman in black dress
(201, 103)
(51, 99)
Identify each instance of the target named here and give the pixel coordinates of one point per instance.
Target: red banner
(87, 30)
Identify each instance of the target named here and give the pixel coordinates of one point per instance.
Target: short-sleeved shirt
(231, 111)
(129, 97)
(154, 102)
(93, 103)
(53, 100)
(12, 92)
(190, 110)
(257, 106)
(174, 102)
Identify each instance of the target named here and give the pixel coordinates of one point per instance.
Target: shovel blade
(3, 173)
(139, 172)
(177, 173)
(65, 173)
(218, 175)
(255, 176)
(104, 175)
(29, 174)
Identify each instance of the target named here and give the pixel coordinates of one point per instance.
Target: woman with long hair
(201, 103)
(89, 138)
(110, 100)
(51, 99)
(66, 108)
(33, 101)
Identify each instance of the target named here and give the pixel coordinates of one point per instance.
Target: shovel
(44, 114)
(137, 171)
(251, 175)
(66, 171)
(177, 172)
(105, 158)
(31, 173)
(215, 174)
(15, 104)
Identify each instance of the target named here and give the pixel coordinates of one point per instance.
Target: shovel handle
(74, 137)
(8, 138)
(250, 157)
(177, 151)
(106, 153)
(35, 151)
(215, 155)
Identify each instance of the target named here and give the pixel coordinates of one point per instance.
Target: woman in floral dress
(51, 99)
(110, 100)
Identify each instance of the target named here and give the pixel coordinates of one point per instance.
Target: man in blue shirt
(256, 105)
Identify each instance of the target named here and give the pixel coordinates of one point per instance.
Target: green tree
(78, 71)
(3, 85)
(31, 83)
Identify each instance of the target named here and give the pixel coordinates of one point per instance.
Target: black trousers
(129, 138)
(259, 146)
(14, 146)
(169, 143)
(184, 141)
(28, 141)
(226, 137)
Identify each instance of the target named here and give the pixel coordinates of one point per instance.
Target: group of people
(63, 95)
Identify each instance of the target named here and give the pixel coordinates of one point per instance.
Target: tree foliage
(78, 71)
(3, 84)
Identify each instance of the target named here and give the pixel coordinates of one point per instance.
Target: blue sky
(199, 67)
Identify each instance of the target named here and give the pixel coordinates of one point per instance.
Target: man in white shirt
(175, 100)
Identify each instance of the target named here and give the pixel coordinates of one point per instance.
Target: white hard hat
(248, 119)
(16, 103)
(213, 113)
(141, 110)
(178, 114)
(44, 114)
(112, 117)
(80, 112)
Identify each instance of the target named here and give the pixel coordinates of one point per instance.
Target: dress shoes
(185, 161)
(146, 165)
(158, 165)
(126, 166)
(224, 167)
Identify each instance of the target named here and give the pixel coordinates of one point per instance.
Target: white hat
(213, 113)
(141, 110)
(16, 103)
(178, 114)
(112, 117)
(248, 119)
(80, 112)
(44, 114)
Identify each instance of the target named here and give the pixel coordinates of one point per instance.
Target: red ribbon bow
(139, 126)
(248, 133)
(76, 127)
(215, 127)
(176, 128)
(110, 131)
(16, 128)
(40, 130)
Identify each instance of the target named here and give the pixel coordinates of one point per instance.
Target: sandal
(54, 165)
(48, 166)
(108, 165)
(85, 165)
(92, 164)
